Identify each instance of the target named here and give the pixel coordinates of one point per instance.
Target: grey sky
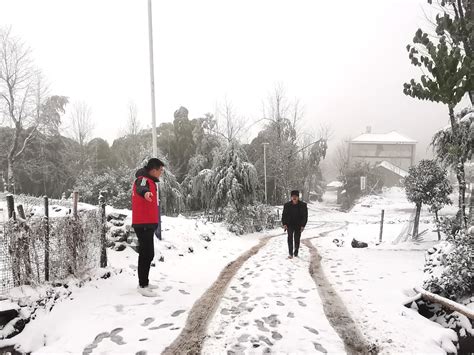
(345, 60)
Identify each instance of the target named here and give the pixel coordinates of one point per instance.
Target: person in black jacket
(294, 219)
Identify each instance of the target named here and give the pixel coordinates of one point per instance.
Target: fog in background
(346, 61)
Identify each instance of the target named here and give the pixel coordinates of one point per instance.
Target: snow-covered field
(113, 307)
(272, 304)
(374, 282)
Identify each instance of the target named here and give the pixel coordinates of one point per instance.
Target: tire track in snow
(334, 308)
(191, 338)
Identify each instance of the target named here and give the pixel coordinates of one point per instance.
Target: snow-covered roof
(395, 169)
(391, 138)
(335, 184)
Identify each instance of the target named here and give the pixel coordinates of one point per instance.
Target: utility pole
(152, 81)
(265, 169)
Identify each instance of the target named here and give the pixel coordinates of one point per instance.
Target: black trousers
(294, 234)
(146, 253)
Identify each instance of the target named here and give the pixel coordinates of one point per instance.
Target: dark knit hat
(154, 163)
(295, 193)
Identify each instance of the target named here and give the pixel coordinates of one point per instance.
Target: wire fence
(39, 249)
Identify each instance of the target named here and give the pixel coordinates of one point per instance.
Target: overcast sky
(345, 60)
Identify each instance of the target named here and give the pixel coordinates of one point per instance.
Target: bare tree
(229, 124)
(22, 94)
(341, 159)
(283, 119)
(133, 124)
(81, 123)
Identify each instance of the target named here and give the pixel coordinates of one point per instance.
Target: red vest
(143, 211)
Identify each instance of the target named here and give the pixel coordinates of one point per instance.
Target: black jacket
(295, 215)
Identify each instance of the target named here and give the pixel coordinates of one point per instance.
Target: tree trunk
(437, 225)
(461, 176)
(417, 221)
(471, 208)
(460, 173)
(10, 178)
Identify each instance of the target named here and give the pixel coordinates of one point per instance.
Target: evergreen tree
(235, 179)
(426, 183)
(448, 67)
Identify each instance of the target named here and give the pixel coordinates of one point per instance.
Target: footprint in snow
(225, 311)
(177, 313)
(302, 304)
(312, 330)
(101, 337)
(243, 338)
(162, 326)
(272, 320)
(302, 290)
(280, 303)
(167, 288)
(260, 326)
(184, 292)
(265, 340)
(89, 349)
(246, 285)
(276, 336)
(143, 339)
(141, 352)
(147, 322)
(157, 301)
(115, 331)
(320, 348)
(117, 339)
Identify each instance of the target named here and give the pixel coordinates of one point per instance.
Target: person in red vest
(145, 219)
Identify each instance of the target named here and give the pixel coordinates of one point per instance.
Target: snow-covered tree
(447, 60)
(454, 153)
(426, 183)
(234, 178)
(171, 194)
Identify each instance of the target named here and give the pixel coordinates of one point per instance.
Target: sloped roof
(395, 169)
(391, 138)
(335, 184)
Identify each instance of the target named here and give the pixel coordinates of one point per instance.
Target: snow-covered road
(269, 305)
(272, 306)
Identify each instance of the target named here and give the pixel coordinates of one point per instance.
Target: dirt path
(334, 308)
(191, 338)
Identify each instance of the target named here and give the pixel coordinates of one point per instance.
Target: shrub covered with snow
(251, 218)
(449, 267)
(116, 182)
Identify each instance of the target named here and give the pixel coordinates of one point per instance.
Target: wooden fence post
(75, 196)
(46, 238)
(103, 221)
(75, 236)
(10, 206)
(381, 226)
(21, 211)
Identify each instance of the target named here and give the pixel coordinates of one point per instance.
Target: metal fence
(39, 249)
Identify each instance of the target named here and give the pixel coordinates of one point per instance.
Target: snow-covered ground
(271, 303)
(110, 316)
(272, 306)
(374, 282)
